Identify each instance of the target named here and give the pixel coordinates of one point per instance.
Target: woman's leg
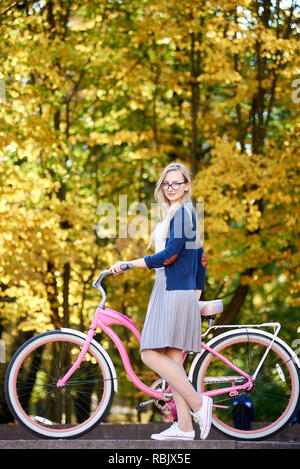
(182, 406)
(172, 371)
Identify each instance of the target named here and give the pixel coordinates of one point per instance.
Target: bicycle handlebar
(97, 283)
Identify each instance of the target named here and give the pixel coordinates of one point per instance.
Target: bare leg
(172, 371)
(182, 406)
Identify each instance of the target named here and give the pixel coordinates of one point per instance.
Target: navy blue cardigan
(181, 256)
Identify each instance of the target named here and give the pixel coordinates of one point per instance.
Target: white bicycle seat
(210, 308)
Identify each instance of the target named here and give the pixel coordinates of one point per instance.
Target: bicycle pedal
(144, 403)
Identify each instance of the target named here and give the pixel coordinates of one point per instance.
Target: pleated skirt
(173, 318)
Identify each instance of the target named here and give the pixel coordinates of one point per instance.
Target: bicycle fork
(61, 382)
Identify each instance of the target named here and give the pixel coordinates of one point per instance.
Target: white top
(158, 237)
(159, 241)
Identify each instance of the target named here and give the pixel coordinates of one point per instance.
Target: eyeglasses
(175, 185)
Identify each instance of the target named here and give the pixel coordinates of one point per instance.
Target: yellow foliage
(98, 102)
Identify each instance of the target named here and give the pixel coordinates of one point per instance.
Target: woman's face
(175, 192)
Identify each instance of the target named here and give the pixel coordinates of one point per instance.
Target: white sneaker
(203, 416)
(173, 433)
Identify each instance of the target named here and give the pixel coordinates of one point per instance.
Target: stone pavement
(137, 436)
(144, 444)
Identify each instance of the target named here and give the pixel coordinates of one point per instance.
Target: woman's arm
(180, 232)
(139, 262)
(116, 268)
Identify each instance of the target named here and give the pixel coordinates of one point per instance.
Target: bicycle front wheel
(272, 402)
(42, 407)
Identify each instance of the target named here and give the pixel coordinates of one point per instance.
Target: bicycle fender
(241, 330)
(100, 349)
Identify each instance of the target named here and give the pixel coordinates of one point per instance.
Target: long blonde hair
(165, 212)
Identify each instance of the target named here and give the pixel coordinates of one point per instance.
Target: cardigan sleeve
(180, 227)
(201, 273)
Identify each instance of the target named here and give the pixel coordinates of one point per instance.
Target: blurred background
(96, 97)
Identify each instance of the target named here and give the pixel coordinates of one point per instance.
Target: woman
(173, 320)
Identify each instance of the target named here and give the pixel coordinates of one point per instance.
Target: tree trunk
(233, 308)
(195, 70)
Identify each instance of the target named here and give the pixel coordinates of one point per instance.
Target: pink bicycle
(61, 384)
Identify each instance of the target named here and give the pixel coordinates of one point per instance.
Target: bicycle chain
(165, 410)
(163, 407)
(230, 398)
(166, 407)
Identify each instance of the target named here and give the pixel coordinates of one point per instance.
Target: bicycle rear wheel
(272, 402)
(42, 407)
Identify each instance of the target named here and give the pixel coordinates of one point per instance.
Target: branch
(9, 8)
(25, 5)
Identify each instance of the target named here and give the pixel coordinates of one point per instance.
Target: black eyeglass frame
(164, 184)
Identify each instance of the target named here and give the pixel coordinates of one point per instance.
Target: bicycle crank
(166, 405)
(144, 403)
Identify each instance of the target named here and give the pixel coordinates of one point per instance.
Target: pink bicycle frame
(105, 317)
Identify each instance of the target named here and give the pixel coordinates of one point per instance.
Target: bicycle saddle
(210, 308)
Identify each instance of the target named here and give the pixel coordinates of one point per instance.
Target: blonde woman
(173, 320)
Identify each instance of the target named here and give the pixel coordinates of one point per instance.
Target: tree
(100, 96)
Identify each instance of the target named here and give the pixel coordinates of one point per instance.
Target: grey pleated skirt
(173, 318)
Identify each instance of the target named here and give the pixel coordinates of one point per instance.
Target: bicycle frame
(105, 317)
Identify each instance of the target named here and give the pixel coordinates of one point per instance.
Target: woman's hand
(198, 294)
(204, 260)
(116, 268)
